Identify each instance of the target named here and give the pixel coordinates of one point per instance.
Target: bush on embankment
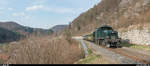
(45, 50)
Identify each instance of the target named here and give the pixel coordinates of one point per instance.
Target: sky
(43, 13)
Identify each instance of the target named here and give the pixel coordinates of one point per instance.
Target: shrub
(47, 50)
(68, 35)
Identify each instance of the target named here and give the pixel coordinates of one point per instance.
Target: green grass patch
(89, 59)
(141, 47)
(90, 51)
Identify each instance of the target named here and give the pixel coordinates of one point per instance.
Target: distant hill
(8, 36)
(12, 31)
(58, 28)
(23, 30)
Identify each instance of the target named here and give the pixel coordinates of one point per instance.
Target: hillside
(10, 30)
(8, 36)
(58, 28)
(129, 17)
(24, 30)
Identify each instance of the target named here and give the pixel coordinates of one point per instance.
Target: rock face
(121, 15)
(137, 35)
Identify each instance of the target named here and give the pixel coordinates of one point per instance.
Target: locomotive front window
(104, 28)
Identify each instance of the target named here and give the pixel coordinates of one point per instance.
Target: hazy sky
(43, 13)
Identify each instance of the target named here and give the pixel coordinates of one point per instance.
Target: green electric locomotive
(105, 36)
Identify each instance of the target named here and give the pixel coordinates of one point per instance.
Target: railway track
(132, 54)
(137, 56)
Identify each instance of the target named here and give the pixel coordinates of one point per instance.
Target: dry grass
(90, 59)
(140, 47)
(94, 59)
(44, 50)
